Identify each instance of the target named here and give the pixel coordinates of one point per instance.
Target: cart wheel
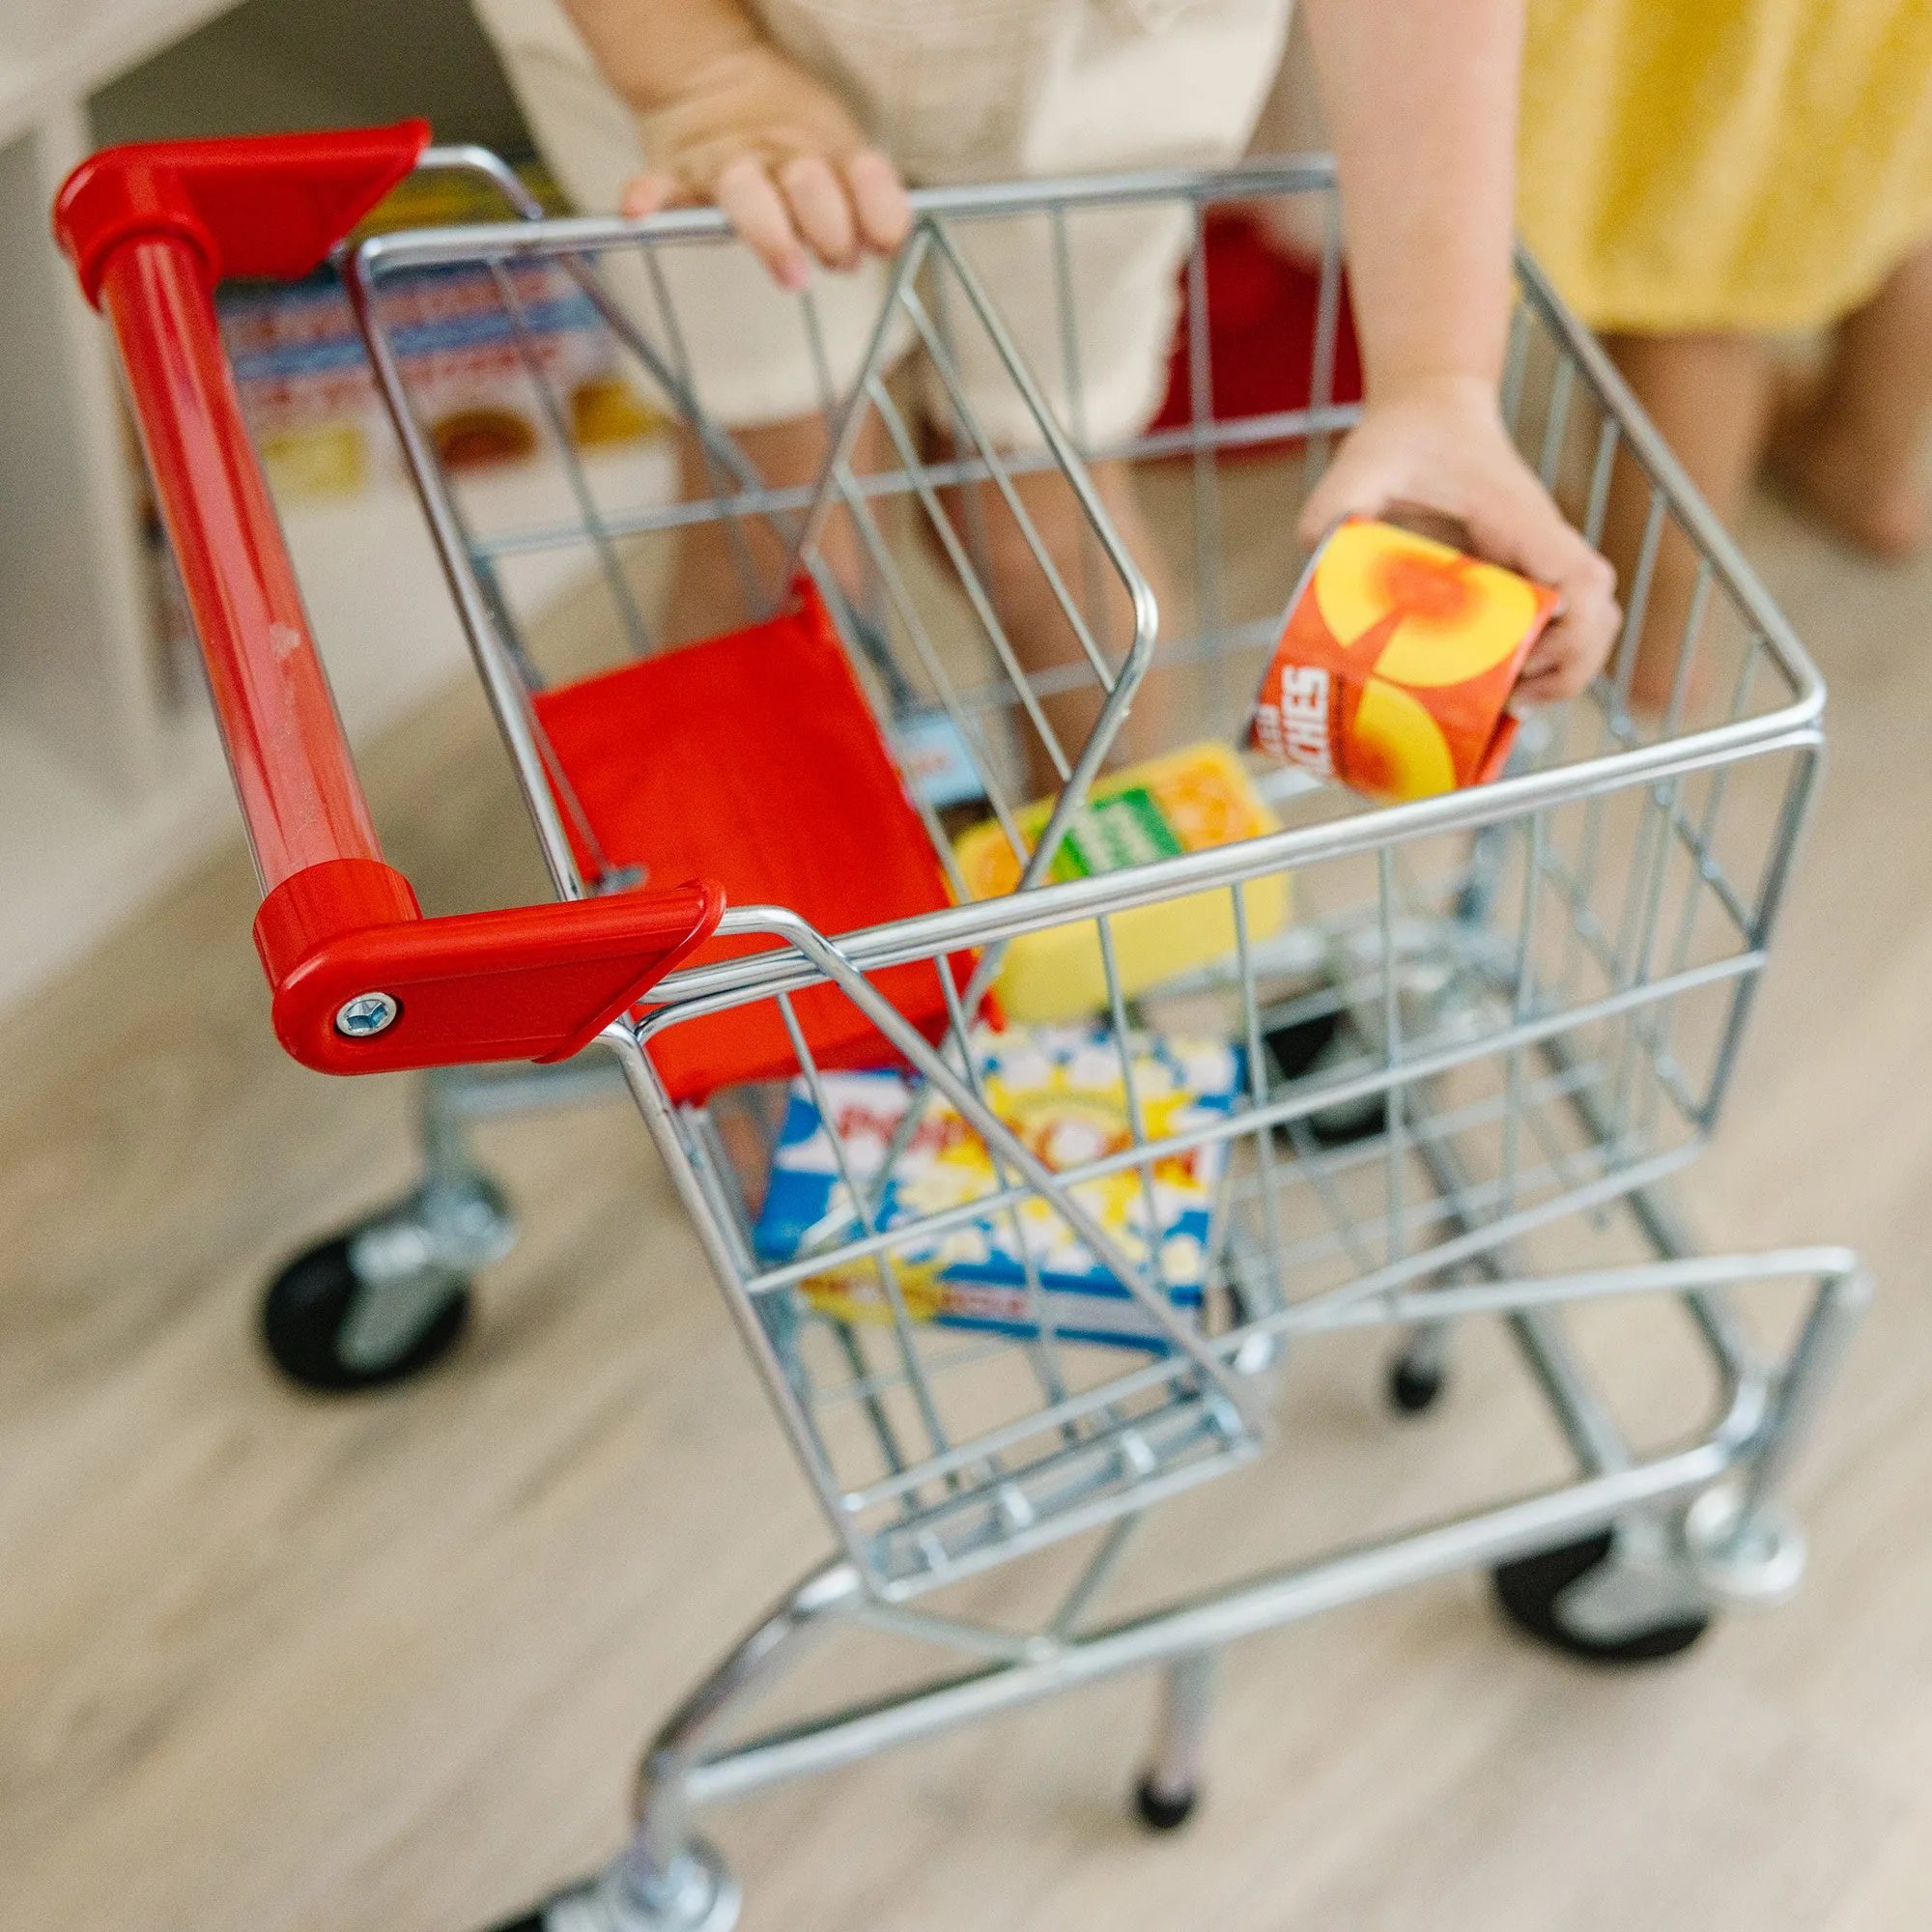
(306, 1310)
(1414, 1385)
(1529, 1589)
(704, 1898)
(1159, 1812)
(1304, 1049)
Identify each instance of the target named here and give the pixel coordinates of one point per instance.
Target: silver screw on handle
(366, 1015)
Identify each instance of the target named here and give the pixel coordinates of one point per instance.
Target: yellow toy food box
(1184, 802)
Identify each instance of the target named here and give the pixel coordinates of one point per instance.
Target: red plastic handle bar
(362, 981)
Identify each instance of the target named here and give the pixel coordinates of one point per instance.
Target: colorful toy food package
(309, 398)
(1396, 664)
(1184, 802)
(1060, 1090)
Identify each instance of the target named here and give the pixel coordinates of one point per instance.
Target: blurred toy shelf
(78, 856)
(111, 781)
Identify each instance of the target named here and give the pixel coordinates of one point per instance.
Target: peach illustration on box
(1394, 667)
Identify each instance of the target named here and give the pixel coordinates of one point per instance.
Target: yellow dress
(1725, 164)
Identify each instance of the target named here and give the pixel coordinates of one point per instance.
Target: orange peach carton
(1395, 668)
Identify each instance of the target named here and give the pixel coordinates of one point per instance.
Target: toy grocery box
(1185, 802)
(1060, 1091)
(311, 402)
(1396, 664)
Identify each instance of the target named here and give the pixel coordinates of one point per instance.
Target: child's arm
(727, 118)
(1420, 99)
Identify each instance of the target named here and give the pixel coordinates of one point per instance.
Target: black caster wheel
(702, 1896)
(1413, 1386)
(1301, 1049)
(1527, 1590)
(1161, 1813)
(307, 1307)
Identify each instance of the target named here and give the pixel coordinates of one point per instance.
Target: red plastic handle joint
(364, 983)
(268, 205)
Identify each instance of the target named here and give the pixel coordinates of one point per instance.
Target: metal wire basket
(1432, 1043)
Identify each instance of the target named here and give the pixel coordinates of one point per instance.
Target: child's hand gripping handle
(362, 981)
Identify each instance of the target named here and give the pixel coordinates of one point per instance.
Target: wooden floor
(269, 1663)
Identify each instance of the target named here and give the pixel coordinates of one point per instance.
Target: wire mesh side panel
(1008, 1292)
(994, 616)
(984, 1269)
(1460, 1039)
(1373, 1088)
(985, 545)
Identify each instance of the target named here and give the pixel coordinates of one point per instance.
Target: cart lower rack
(1032, 1200)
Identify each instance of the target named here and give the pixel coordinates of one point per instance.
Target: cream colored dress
(956, 91)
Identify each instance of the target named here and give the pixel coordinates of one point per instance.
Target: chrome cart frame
(1498, 1024)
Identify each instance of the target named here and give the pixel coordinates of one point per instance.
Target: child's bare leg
(709, 582)
(1036, 625)
(728, 566)
(1711, 397)
(1848, 449)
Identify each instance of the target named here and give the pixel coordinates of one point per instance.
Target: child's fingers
(1567, 657)
(1529, 535)
(650, 192)
(757, 213)
(1582, 634)
(1551, 682)
(1574, 647)
(820, 211)
(879, 199)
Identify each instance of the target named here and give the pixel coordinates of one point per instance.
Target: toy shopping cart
(1026, 1198)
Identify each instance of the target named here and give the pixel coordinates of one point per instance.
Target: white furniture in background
(110, 784)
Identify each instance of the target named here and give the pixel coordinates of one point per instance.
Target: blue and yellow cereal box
(1062, 1091)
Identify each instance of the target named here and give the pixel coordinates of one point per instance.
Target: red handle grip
(362, 981)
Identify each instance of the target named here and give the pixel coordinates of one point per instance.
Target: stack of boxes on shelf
(311, 401)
